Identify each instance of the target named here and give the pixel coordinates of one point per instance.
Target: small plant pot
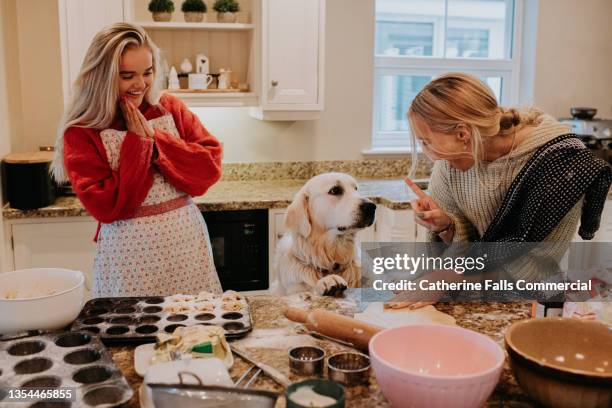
(194, 16)
(162, 16)
(227, 17)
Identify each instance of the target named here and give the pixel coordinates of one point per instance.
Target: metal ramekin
(349, 368)
(306, 360)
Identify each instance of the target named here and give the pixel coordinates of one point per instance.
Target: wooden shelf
(208, 91)
(234, 98)
(171, 25)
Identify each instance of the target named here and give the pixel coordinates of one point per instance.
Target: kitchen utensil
(324, 337)
(334, 325)
(275, 374)
(136, 320)
(67, 359)
(28, 182)
(203, 396)
(562, 362)
(583, 113)
(349, 368)
(40, 299)
(306, 360)
(323, 387)
(435, 366)
(210, 371)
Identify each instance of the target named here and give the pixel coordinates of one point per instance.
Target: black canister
(28, 183)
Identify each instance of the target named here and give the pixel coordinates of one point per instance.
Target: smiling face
(135, 74)
(330, 202)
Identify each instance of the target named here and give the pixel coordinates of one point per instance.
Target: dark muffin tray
(137, 320)
(56, 360)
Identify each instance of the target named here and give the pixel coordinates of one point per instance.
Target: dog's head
(329, 202)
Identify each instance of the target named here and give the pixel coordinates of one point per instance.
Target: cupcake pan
(67, 359)
(137, 320)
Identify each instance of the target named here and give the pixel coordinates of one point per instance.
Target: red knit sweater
(191, 164)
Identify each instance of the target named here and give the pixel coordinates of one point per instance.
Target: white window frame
(508, 69)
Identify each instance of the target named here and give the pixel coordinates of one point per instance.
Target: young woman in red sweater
(134, 160)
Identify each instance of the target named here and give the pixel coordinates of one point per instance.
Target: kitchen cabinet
(53, 242)
(395, 225)
(292, 35)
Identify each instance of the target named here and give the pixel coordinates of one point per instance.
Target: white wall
(574, 56)
(345, 126)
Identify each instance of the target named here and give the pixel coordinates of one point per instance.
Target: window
(418, 40)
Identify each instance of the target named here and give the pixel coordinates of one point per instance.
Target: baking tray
(58, 360)
(137, 320)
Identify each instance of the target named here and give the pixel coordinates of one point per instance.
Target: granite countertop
(241, 195)
(273, 335)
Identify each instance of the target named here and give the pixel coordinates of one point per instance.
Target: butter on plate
(193, 342)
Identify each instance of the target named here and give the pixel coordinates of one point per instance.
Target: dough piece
(387, 318)
(205, 306)
(178, 307)
(231, 295)
(231, 306)
(205, 297)
(179, 297)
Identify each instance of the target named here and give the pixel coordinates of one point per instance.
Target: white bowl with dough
(40, 299)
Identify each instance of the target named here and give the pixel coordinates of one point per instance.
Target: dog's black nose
(368, 208)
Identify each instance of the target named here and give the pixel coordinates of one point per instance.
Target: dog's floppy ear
(298, 218)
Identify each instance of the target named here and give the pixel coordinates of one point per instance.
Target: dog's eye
(336, 190)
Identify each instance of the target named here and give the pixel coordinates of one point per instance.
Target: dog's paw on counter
(331, 285)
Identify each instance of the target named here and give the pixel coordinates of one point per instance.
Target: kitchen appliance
(28, 182)
(239, 241)
(595, 133)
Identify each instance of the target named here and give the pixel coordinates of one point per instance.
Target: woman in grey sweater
(502, 175)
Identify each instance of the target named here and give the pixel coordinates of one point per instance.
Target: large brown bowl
(562, 362)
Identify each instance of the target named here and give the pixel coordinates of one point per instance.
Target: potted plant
(226, 10)
(194, 10)
(161, 9)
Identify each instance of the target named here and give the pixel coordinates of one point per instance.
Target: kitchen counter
(241, 195)
(273, 335)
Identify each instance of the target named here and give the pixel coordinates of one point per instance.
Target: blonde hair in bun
(458, 98)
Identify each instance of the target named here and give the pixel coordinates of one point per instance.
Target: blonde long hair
(458, 98)
(93, 103)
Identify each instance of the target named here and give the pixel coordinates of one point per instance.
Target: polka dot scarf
(547, 187)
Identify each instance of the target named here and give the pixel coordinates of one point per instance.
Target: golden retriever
(318, 251)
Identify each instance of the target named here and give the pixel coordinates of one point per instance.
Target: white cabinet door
(276, 228)
(292, 47)
(395, 225)
(66, 244)
(79, 21)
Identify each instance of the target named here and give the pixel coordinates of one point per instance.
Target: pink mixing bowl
(435, 366)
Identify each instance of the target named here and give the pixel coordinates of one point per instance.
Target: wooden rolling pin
(334, 325)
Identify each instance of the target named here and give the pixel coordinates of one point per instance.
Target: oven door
(240, 248)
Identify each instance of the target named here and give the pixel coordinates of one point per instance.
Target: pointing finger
(416, 189)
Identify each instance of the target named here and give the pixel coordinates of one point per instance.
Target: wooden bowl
(562, 362)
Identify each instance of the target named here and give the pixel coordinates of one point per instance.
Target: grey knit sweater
(472, 200)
